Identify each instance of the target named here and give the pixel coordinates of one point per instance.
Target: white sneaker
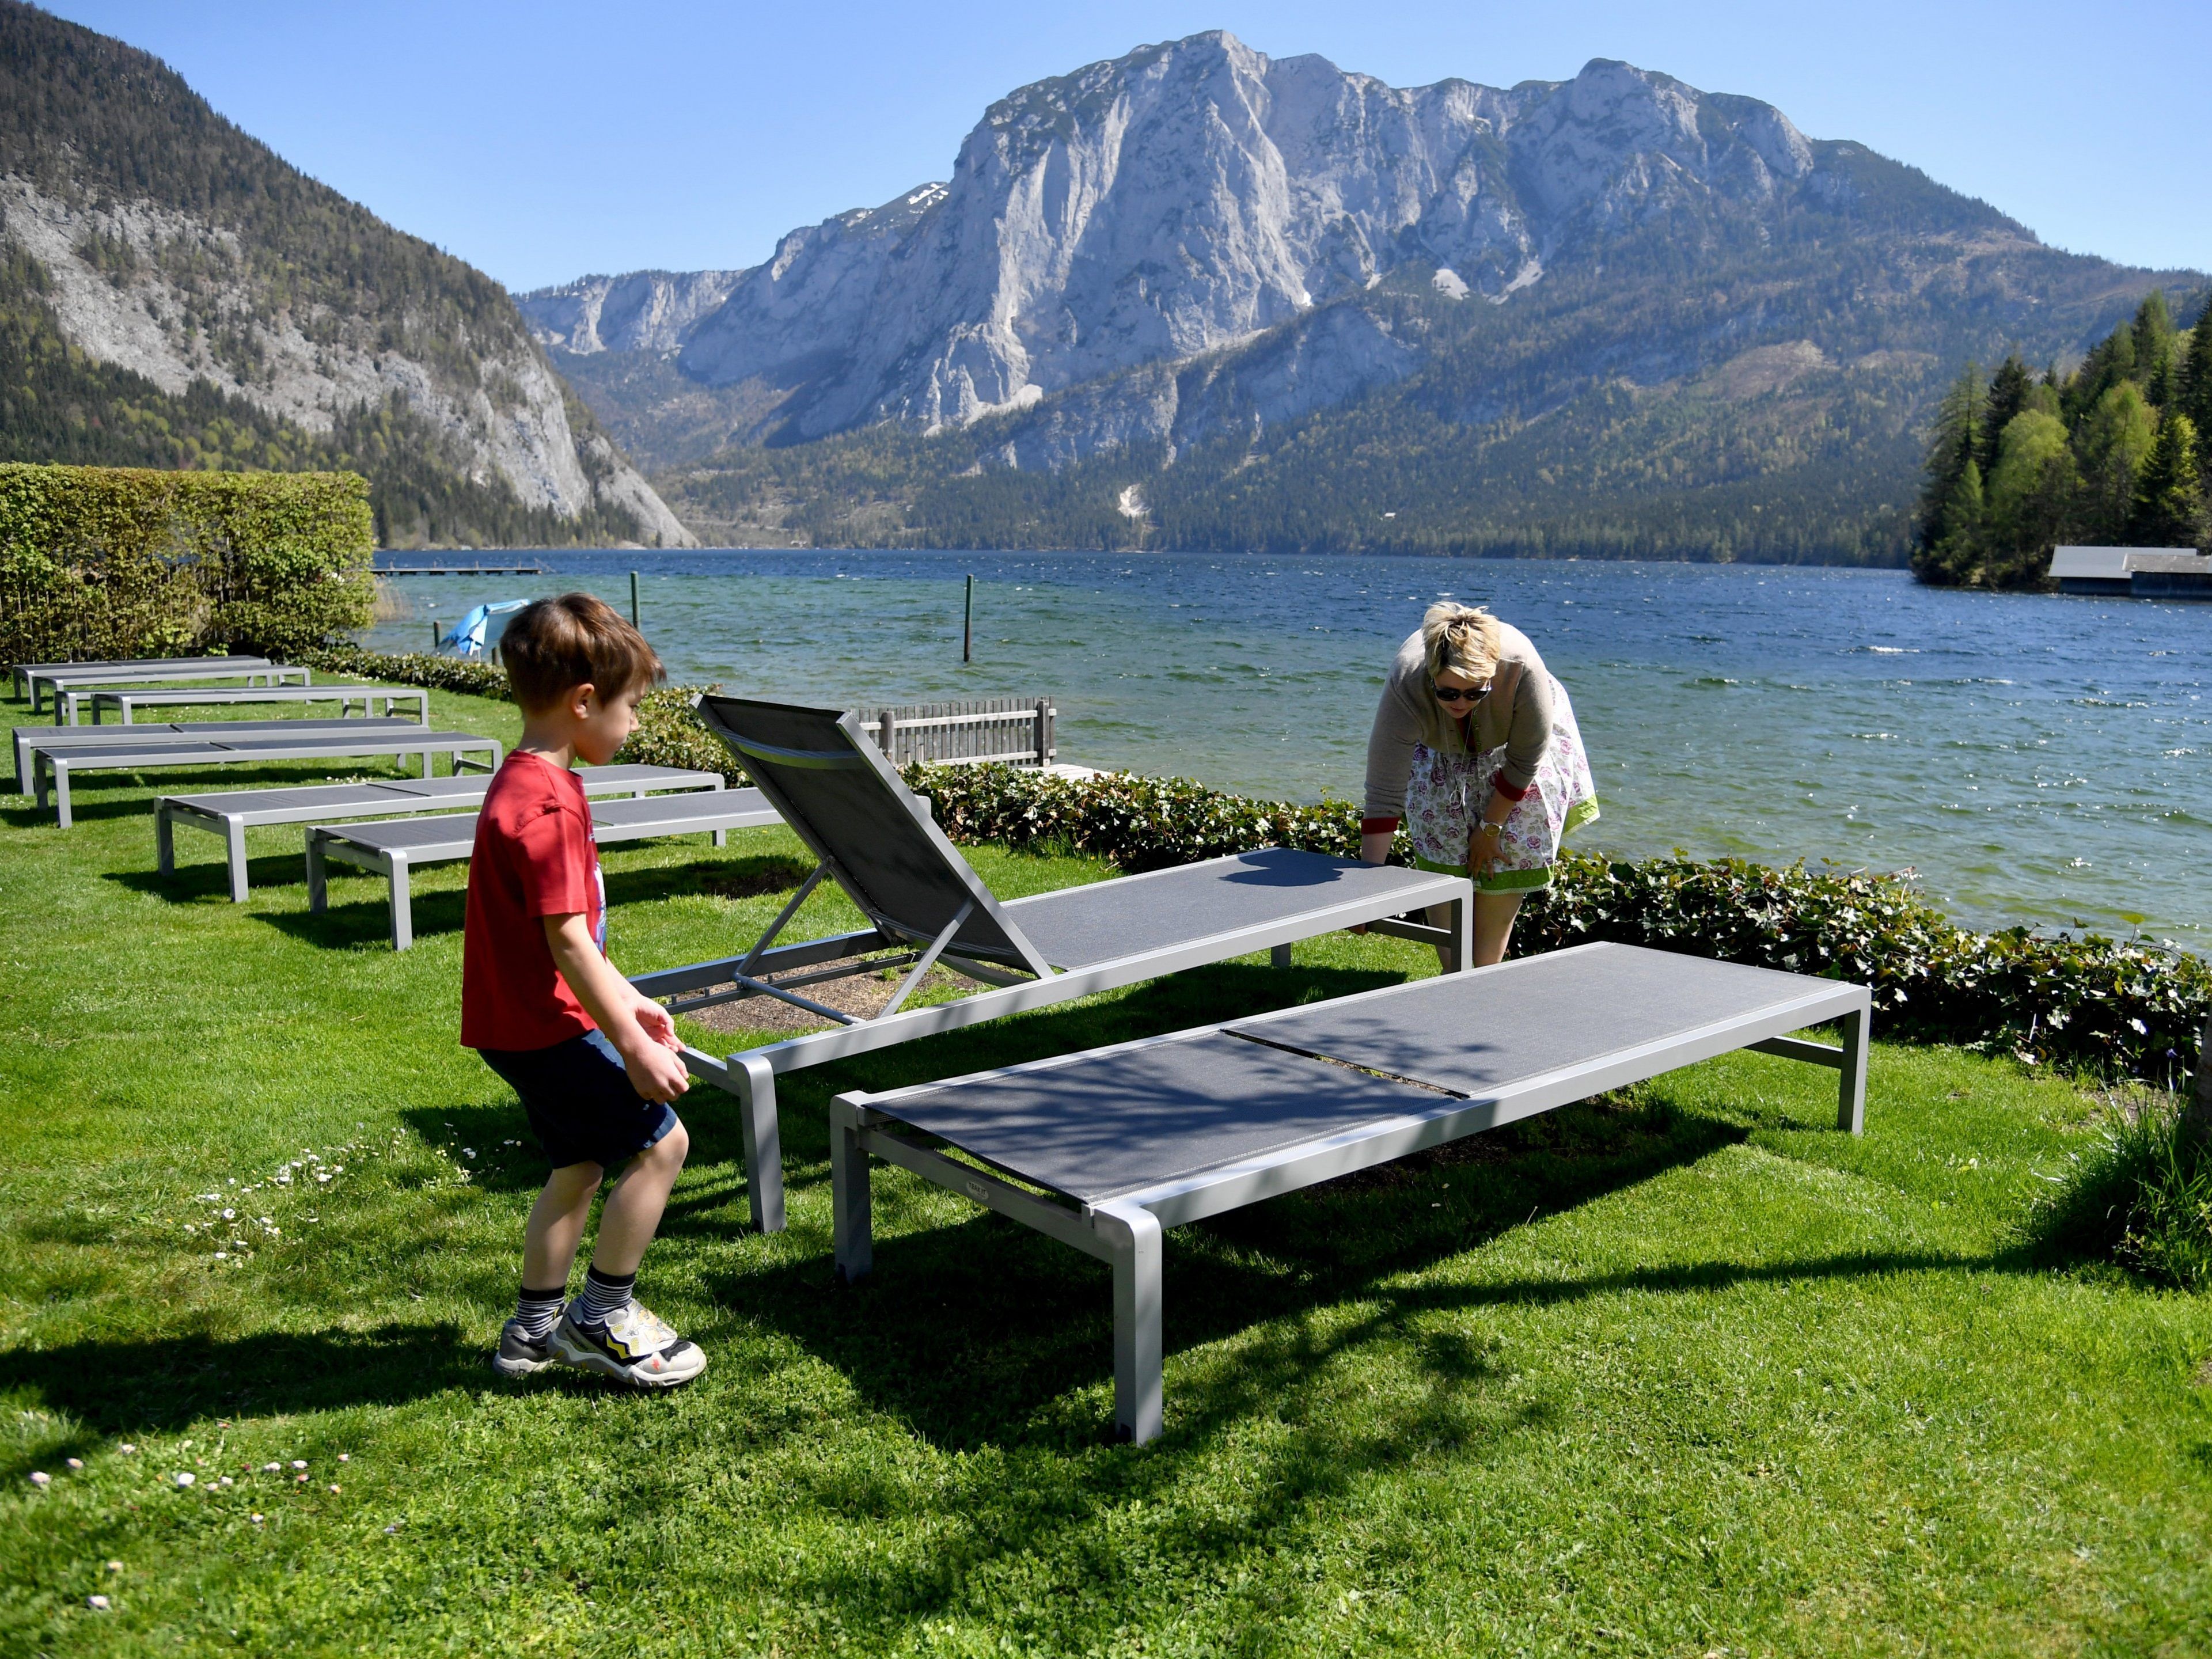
(634, 1346)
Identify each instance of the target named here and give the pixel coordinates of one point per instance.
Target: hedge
(115, 562)
(2097, 1004)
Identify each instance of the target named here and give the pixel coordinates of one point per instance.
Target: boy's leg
(549, 1253)
(604, 1328)
(631, 1215)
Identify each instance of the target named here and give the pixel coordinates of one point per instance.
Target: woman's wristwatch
(1489, 829)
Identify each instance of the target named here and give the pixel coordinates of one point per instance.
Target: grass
(1678, 1372)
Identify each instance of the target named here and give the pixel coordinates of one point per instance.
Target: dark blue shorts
(580, 1101)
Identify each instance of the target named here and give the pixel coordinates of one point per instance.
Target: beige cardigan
(1518, 715)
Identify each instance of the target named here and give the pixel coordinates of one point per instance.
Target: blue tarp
(468, 635)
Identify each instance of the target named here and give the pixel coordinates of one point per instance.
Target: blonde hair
(1461, 639)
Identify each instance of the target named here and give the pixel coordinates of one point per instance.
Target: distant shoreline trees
(2114, 454)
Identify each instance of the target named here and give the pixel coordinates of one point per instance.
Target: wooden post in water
(633, 598)
(968, 623)
(434, 636)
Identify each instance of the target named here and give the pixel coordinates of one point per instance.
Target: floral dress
(1447, 793)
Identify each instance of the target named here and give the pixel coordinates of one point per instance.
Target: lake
(2035, 759)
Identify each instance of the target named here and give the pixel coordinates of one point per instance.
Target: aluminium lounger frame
(1125, 1230)
(750, 1074)
(230, 813)
(395, 848)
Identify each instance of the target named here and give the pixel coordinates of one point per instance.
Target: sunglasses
(1461, 694)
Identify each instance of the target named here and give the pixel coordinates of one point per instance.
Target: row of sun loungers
(1106, 1150)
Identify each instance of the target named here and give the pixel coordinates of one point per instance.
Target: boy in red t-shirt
(595, 1063)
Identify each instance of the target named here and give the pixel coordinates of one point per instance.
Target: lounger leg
(720, 837)
(1278, 955)
(402, 905)
(755, 1090)
(852, 1227)
(62, 794)
(319, 875)
(1459, 920)
(1851, 1104)
(165, 840)
(233, 835)
(1134, 1235)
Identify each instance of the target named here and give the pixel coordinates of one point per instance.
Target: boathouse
(2141, 573)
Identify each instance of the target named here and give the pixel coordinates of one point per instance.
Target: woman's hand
(1483, 850)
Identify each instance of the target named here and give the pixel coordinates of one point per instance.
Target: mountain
(173, 294)
(1196, 296)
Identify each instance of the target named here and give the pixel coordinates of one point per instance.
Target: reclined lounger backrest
(873, 834)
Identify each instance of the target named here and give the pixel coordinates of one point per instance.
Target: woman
(1475, 747)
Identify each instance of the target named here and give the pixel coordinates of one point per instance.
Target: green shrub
(115, 562)
(2141, 1195)
(465, 675)
(2104, 1004)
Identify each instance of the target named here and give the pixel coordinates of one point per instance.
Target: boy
(594, 1062)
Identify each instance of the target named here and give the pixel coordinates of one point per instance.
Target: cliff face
(1196, 246)
(168, 244)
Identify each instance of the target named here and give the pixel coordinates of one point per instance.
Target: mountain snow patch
(1449, 283)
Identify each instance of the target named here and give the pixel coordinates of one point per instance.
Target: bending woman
(1475, 747)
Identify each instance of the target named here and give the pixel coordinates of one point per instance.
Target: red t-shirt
(535, 857)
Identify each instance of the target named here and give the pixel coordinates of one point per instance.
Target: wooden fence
(966, 733)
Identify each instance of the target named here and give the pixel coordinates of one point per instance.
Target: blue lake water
(2037, 760)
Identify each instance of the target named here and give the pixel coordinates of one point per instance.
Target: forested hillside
(2110, 454)
(175, 294)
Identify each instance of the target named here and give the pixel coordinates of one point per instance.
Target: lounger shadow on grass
(970, 1332)
(157, 1384)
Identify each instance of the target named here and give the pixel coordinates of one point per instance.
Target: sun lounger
(923, 904)
(55, 681)
(20, 673)
(177, 734)
(233, 813)
(127, 703)
(1122, 1142)
(343, 740)
(394, 848)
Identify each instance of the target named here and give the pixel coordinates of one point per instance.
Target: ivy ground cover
(1681, 1371)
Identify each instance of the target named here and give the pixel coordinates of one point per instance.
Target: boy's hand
(656, 1073)
(658, 1024)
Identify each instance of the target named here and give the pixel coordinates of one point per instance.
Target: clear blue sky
(546, 140)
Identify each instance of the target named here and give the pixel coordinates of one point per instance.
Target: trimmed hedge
(2095, 1003)
(462, 674)
(116, 562)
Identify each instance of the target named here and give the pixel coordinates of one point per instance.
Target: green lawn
(1680, 1372)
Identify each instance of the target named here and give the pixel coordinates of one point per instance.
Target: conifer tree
(1950, 453)
(2169, 507)
(2193, 394)
(2009, 393)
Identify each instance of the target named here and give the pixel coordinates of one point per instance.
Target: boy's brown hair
(554, 644)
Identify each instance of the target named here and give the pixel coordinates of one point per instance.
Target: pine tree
(2154, 337)
(2009, 388)
(1950, 453)
(2193, 394)
(2169, 507)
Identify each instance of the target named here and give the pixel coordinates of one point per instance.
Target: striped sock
(604, 1296)
(537, 1311)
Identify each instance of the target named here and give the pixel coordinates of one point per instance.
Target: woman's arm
(1390, 742)
(639, 1028)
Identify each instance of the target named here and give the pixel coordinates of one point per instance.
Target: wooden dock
(460, 570)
